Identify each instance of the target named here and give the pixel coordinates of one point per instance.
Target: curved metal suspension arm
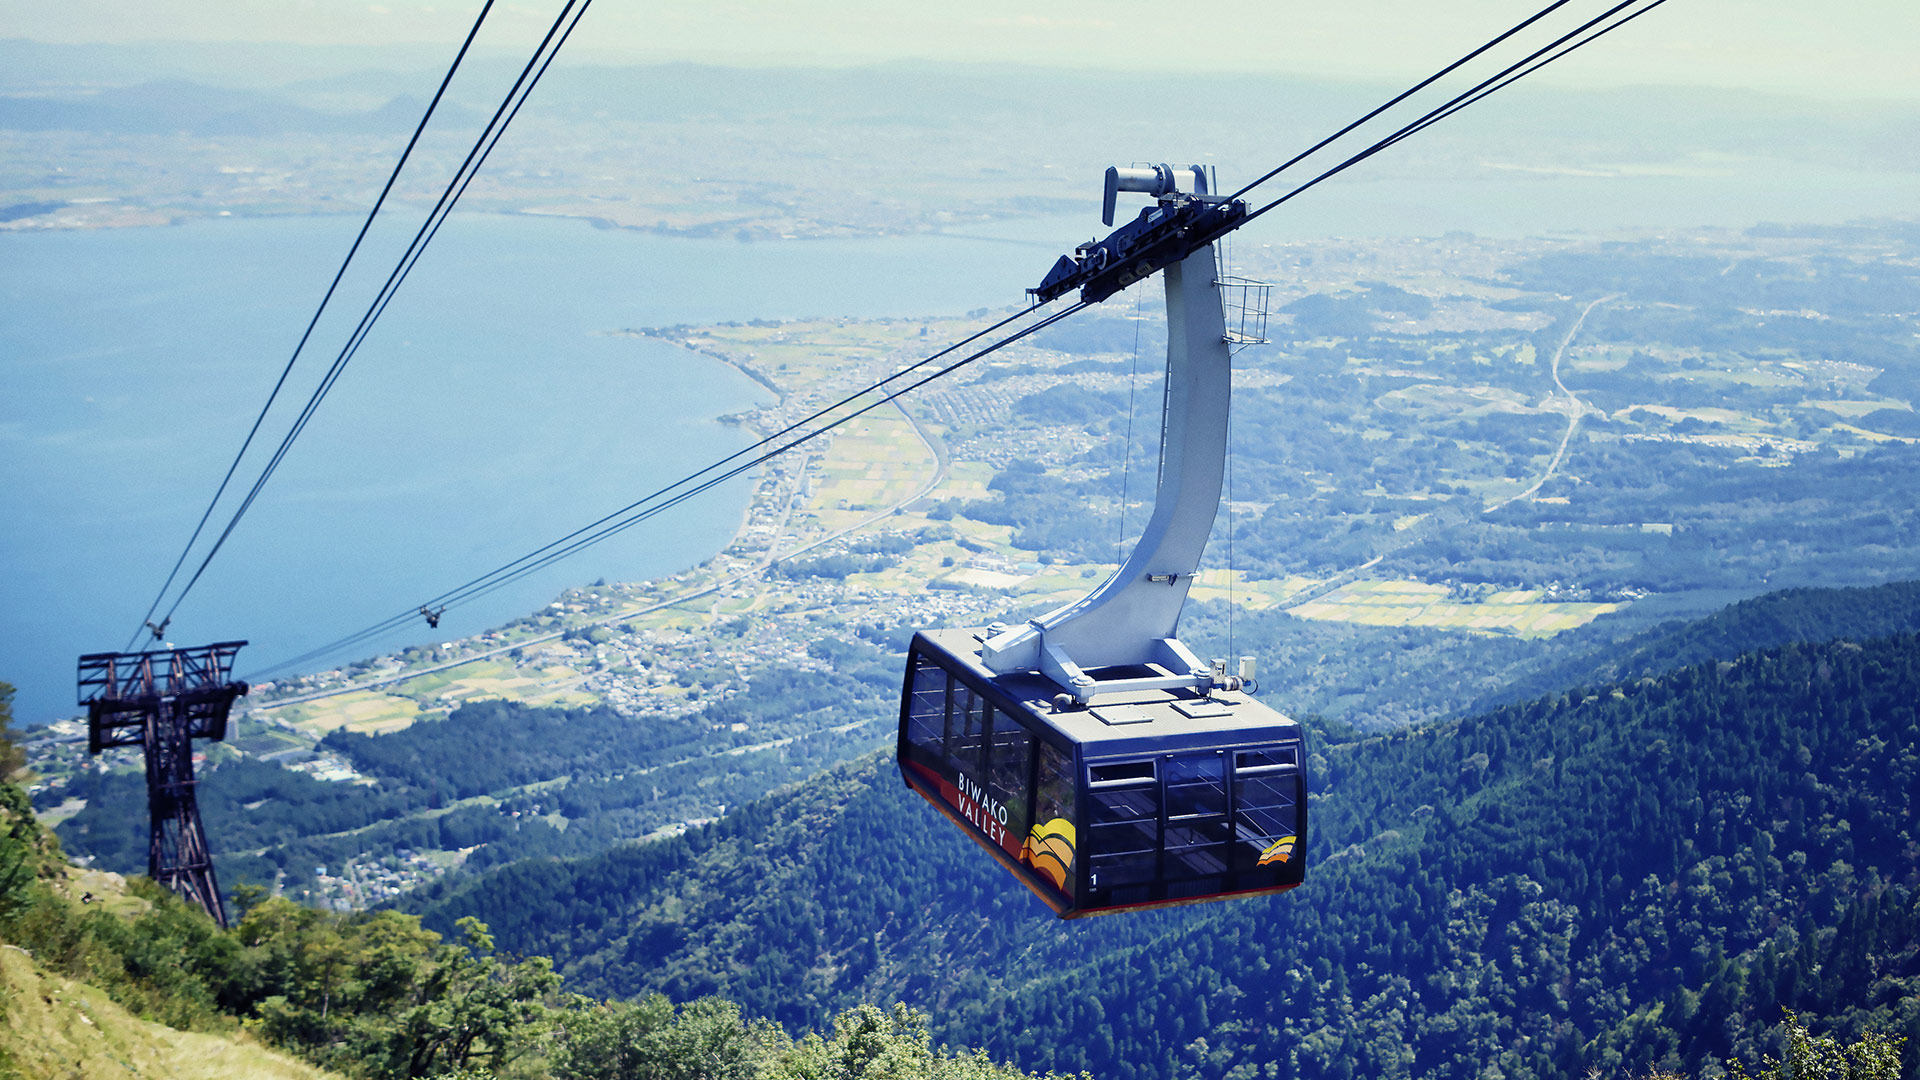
(1130, 619)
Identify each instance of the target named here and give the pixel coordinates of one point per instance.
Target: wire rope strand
(332, 287)
(600, 530)
(789, 429)
(1231, 566)
(737, 470)
(463, 176)
(409, 614)
(651, 511)
(1126, 451)
(1492, 84)
(1398, 98)
(775, 452)
(1536, 65)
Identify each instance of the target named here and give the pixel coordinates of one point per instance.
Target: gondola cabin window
(981, 759)
(967, 719)
(1197, 829)
(1268, 791)
(1010, 773)
(1052, 848)
(927, 714)
(1123, 832)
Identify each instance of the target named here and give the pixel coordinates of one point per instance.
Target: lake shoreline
(510, 327)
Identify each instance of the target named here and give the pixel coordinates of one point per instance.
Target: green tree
(646, 1040)
(476, 1010)
(871, 1043)
(601, 1040)
(1874, 1056)
(12, 758)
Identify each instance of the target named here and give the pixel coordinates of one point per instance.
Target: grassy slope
(58, 1028)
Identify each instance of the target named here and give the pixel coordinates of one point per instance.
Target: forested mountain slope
(1641, 874)
(1763, 622)
(551, 781)
(103, 977)
(1381, 677)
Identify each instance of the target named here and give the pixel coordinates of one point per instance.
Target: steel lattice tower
(161, 701)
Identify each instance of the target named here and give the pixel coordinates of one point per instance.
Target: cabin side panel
(1170, 828)
(984, 764)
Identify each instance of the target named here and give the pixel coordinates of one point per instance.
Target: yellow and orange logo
(1280, 851)
(1049, 850)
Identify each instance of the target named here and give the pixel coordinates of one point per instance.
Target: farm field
(1520, 612)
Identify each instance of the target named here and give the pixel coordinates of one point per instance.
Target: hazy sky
(1847, 48)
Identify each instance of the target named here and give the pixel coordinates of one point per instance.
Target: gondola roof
(1137, 722)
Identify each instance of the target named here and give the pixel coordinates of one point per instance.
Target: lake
(489, 412)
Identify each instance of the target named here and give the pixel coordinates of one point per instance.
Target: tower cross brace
(161, 701)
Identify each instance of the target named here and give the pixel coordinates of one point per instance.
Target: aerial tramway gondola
(1095, 756)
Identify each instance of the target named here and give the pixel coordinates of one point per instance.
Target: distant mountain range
(172, 107)
(260, 81)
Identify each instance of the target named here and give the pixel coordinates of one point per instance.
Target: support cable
(667, 497)
(1510, 80)
(407, 616)
(1506, 77)
(301, 345)
(1398, 98)
(645, 508)
(746, 466)
(463, 177)
(1232, 572)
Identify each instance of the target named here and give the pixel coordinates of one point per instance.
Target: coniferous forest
(94, 981)
(1620, 877)
(1661, 870)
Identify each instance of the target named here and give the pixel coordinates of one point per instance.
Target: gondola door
(1123, 832)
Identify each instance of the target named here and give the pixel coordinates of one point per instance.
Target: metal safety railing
(161, 673)
(1244, 302)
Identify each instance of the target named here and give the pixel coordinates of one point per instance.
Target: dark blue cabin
(1138, 800)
